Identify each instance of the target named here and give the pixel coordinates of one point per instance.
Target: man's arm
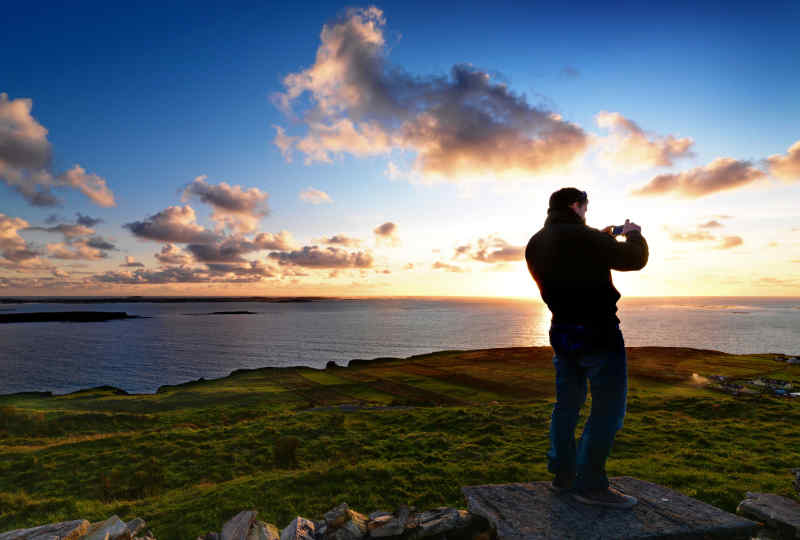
(629, 255)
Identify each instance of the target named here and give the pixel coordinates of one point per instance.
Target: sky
(393, 148)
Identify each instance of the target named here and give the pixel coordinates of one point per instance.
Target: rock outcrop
(780, 515)
(112, 528)
(344, 523)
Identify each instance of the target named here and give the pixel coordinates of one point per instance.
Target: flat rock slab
(530, 510)
(67, 530)
(777, 512)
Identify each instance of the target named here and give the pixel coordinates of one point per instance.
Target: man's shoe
(561, 485)
(610, 497)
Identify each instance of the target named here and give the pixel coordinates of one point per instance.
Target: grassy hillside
(188, 457)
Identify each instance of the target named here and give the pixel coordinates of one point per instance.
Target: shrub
(285, 452)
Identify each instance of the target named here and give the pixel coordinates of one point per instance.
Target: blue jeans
(597, 354)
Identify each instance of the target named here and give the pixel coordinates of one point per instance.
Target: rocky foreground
(341, 523)
(779, 517)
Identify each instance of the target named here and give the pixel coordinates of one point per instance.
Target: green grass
(189, 457)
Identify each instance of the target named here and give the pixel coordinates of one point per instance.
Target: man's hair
(566, 196)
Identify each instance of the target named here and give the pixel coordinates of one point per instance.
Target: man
(572, 265)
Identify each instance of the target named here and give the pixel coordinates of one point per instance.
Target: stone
(238, 527)
(112, 528)
(135, 525)
(441, 519)
(66, 530)
(405, 515)
(337, 515)
(331, 364)
(776, 512)
(383, 526)
(354, 528)
(796, 473)
(263, 531)
(379, 513)
(526, 510)
(299, 529)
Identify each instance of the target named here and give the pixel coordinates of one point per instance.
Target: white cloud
(315, 196)
(25, 155)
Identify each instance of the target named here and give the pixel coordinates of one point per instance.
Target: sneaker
(610, 497)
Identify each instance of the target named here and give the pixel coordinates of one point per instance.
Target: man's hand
(630, 226)
(608, 229)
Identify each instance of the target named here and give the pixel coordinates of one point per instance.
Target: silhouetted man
(571, 263)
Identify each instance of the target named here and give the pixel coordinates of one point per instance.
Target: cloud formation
(786, 167)
(341, 240)
(171, 254)
(328, 257)
(713, 224)
(233, 248)
(131, 262)
(730, 241)
(222, 255)
(26, 154)
(720, 175)
(86, 221)
(698, 235)
(315, 196)
(491, 249)
(15, 253)
(630, 147)
(173, 224)
(439, 265)
(238, 209)
(461, 125)
(387, 233)
(69, 230)
(79, 250)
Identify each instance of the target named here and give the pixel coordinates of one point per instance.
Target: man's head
(572, 198)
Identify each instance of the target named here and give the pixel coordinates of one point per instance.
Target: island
(65, 316)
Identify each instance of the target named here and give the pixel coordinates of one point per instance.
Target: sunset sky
(397, 148)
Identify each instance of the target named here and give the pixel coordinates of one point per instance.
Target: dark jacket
(571, 263)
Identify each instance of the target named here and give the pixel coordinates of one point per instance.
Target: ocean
(182, 341)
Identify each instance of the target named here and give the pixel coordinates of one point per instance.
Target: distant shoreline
(361, 362)
(65, 316)
(160, 299)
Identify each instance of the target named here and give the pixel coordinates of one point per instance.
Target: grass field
(189, 457)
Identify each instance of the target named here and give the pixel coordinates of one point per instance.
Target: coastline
(360, 363)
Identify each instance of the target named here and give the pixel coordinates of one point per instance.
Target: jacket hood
(563, 215)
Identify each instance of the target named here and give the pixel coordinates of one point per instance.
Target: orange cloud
(630, 147)
(15, 253)
(786, 167)
(730, 242)
(439, 265)
(462, 126)
(720, 175)
(491, 249)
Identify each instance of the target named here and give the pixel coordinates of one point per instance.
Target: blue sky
(151, 96)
